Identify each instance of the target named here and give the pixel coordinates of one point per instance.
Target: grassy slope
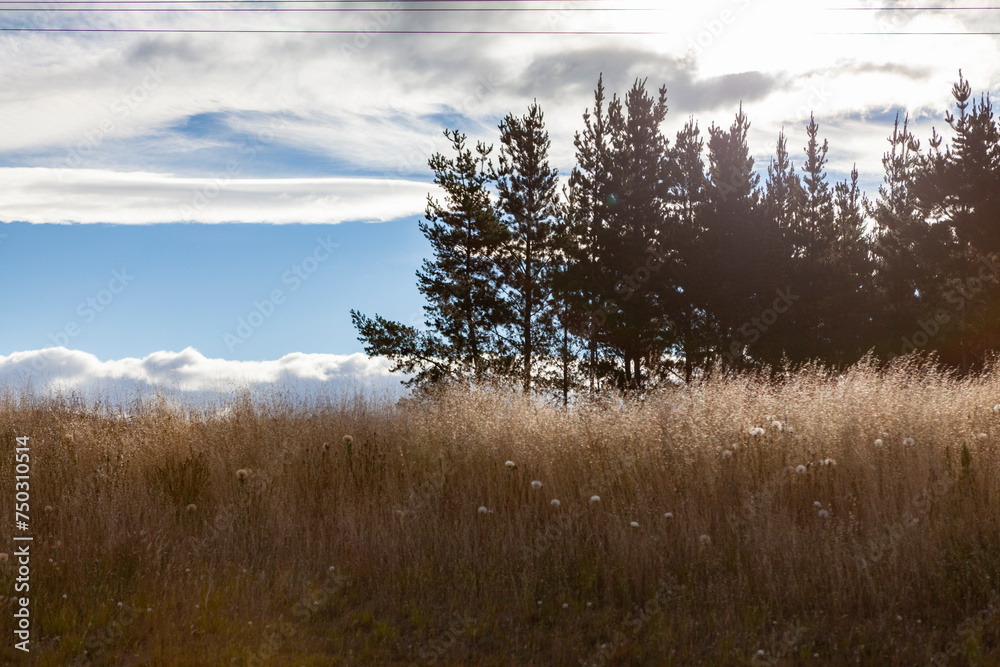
(161, 554)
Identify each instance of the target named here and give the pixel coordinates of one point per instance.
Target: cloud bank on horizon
(327, 128)
(190, 375)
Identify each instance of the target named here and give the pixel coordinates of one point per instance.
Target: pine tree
(817, 203)
(852, 276)
(636, 245)
(687, 201)
(586, 286)
(739, 242)
(784, 196)
(904, 258)
(530, 257)
(464, 310)
(958, 190)
(815, 273)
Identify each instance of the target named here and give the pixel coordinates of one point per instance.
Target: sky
(203, 209)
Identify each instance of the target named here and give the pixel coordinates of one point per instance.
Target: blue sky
(205, 168)
(189, 285)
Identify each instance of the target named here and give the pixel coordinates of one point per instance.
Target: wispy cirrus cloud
(95, 196)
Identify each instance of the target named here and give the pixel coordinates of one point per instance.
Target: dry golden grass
(350, 531)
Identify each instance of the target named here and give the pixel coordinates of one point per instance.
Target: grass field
(823, 520)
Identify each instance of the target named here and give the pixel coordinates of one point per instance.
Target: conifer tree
(464, 311)
(958, 190)
(636, 245)
(901, 245)
(739, 243)
(687, 201)
(586, 286)
(530, 257)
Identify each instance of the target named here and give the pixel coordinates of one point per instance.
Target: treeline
(662, 261)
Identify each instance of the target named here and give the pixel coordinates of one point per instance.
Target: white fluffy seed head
(595, 499)
(634, 524)
(554, 502)
(878, 442)
(536, 485)
(726, 454)
(756, 431)
(668, 515)
(908, 442)
(800, 469)
(510, 464)
(482, 509)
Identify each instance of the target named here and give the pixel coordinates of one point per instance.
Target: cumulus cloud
(189, 374)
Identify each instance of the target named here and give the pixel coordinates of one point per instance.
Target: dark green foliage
(658, 265)
(531, 256)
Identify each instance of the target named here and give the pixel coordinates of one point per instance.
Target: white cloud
(89, 195)
(376, 103)
(189, 374)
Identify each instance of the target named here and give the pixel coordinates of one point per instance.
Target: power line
(910, 9)
(343, 32)
(270, 2)
(913, 34)
(276, 10)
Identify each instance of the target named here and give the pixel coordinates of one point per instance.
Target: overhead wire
(337, 6)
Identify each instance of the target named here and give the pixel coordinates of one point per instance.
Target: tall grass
(349, 530)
